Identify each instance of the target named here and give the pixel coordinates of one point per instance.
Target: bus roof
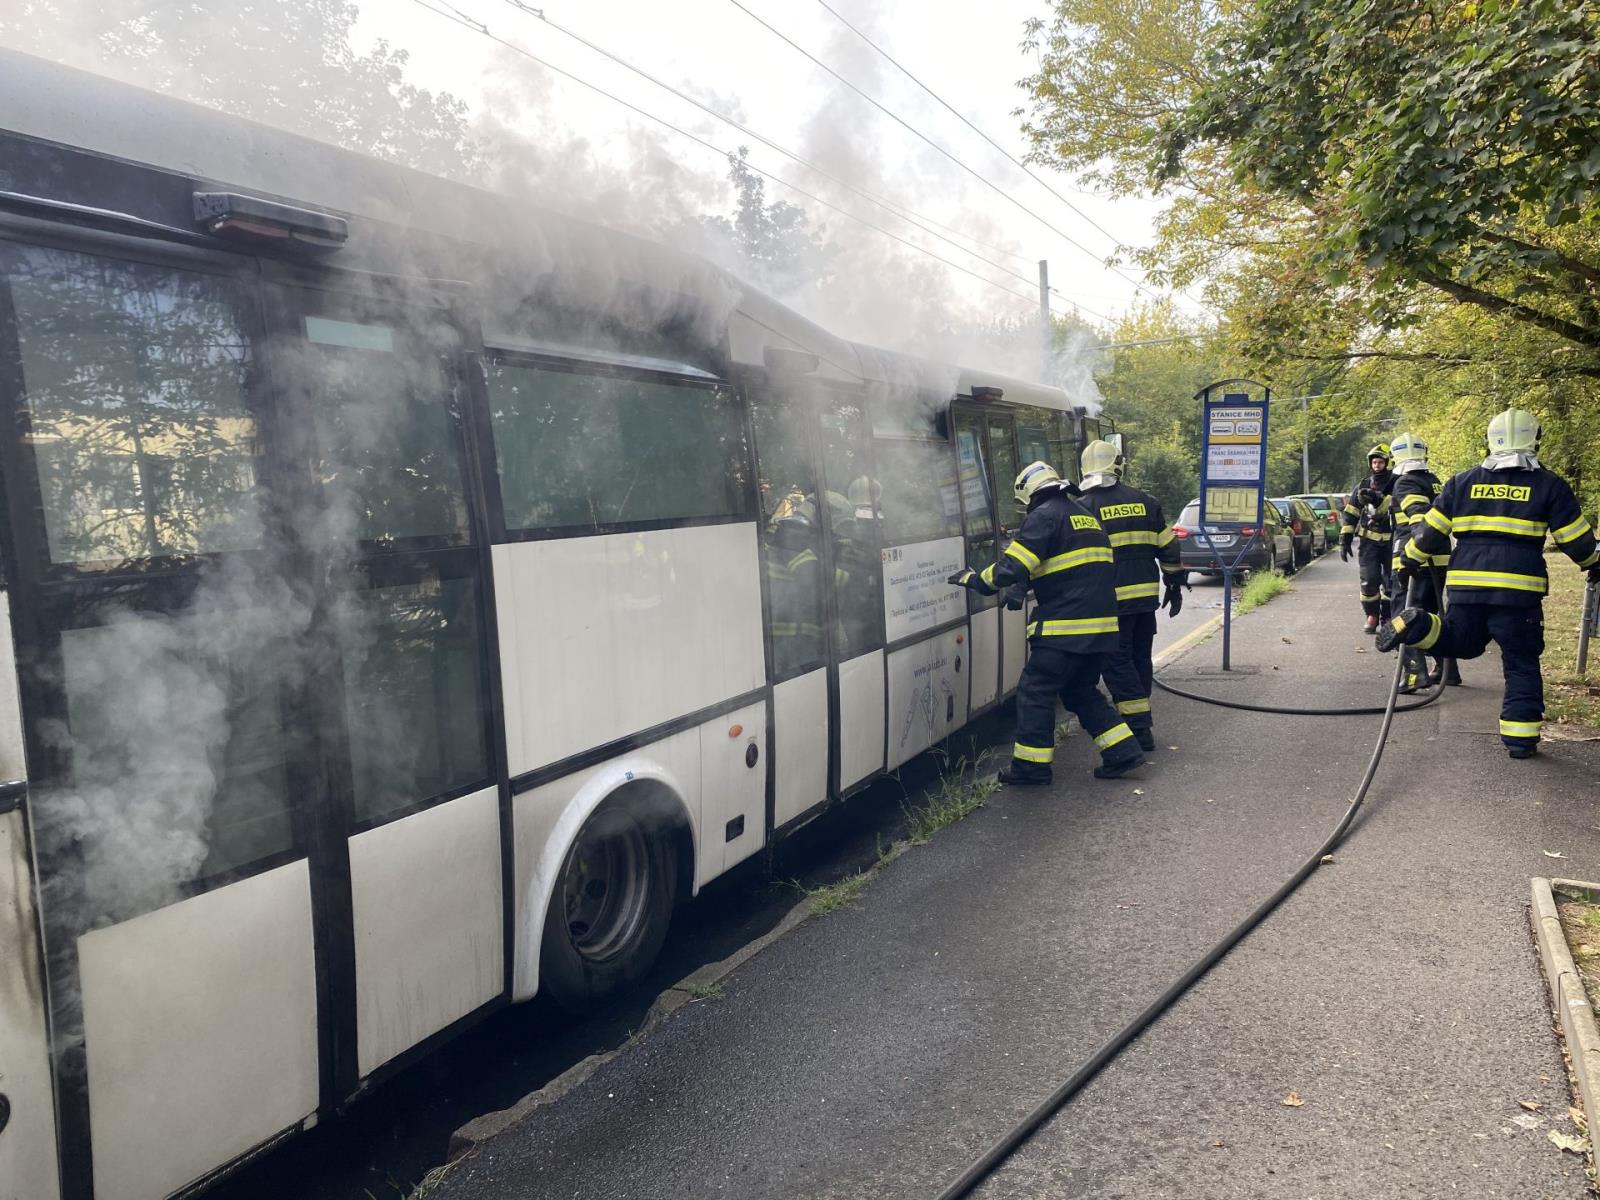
(589, 265)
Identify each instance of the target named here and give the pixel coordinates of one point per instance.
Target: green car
(1327, 509)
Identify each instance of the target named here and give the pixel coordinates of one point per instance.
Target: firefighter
(1500, 513)
(1063, 554)
(1367, 516)
(1415, 488)
(1146, 552)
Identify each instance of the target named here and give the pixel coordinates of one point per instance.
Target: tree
(294, 67)
(772, 244)
(1453, 144)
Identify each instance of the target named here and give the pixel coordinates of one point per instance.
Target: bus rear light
(252, 218)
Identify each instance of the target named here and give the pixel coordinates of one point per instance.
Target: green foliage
(773, 244)
(1447, 143)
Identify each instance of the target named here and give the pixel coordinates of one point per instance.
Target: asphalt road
(389, 1140)
(874, 1051)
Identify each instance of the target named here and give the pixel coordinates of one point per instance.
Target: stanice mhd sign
(1233, 457)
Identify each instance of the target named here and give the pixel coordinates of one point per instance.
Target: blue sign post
(1233, 477)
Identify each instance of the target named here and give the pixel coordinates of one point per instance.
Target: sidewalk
(874, 1051)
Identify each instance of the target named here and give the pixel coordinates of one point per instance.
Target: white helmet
(1408, 447)
(1101, 458)
(1033, 479)
(1514, 431)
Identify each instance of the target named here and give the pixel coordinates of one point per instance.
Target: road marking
(1187, 640)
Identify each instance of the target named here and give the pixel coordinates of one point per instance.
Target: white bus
(408, 598)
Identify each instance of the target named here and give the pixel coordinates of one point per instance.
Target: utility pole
(1305, 445)
(1046, 333)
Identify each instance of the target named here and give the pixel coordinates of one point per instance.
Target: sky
(968, 53)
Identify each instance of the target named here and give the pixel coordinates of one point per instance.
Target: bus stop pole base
(1227, 616)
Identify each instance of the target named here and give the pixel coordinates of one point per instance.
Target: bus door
(409, 854)
(1000, 430)
(980, 512)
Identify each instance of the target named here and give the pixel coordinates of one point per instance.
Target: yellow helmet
(1408, 447)
(1381, 450)
(1513, 430)
(1033, 479)
(1101, 458)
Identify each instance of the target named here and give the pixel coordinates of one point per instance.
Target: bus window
(134, 380)
(921, 500)
(581, 451)
(1004, 457)
(178, 763)
(976, 503)
(414, 691)
(791, 534)
(388, 456)
(848, 472)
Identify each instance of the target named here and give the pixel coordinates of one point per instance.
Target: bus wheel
(611, 907)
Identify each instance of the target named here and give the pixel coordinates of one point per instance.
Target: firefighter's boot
(1372, 623)
(1409, 628)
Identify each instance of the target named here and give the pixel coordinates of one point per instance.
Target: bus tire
(612, 903)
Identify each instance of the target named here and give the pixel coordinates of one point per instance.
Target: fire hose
(1024, 1129)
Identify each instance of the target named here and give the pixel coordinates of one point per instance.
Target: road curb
(1566, 989)
(690, 988)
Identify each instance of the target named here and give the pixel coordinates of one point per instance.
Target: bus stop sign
(1233, 453)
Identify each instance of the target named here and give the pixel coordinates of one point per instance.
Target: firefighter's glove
(1344, 548)
(971, 580)
(1370, 496)
(1172, 601)
(1016, 596)
(1404, 573)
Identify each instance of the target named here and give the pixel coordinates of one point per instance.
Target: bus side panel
(733, 790)
(604, 637)
(927, 693)
(985, 656)
(800, 749)
(428, 918)
(861, 729)
(210, 1005)
(28, 1143)
(1013, 646)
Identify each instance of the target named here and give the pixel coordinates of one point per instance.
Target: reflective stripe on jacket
(1064, 555)
(1141, 541)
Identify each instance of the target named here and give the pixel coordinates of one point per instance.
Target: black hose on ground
(1025, 1128)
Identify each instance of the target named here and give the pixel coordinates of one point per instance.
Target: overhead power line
(456, 16)
(915, 132)
(958, 115)
(926, 224)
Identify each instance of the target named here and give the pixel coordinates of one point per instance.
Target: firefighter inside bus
(793, 576)
(859, 560)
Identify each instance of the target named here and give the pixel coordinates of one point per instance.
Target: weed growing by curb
(1262, 586)
(834, 896)
(704, 991)
(962, 789)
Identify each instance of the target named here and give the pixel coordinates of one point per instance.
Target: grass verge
(1261, 587)
(963, 787)
(1568, 697)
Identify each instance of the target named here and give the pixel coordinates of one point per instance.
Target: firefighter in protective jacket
(1415, 488)
(1499, 513)
(1063, 554)
(1367, 517)
(1145, 553)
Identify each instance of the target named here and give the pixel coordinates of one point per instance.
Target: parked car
(1329, 510)
(1205, 549)
(1305, 529)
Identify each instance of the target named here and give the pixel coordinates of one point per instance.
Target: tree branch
(1468, 294)
(1572, 266)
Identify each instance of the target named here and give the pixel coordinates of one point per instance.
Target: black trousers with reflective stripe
(1519, 632)
(1374, 560)
(1051, 673)
(1128, 672)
